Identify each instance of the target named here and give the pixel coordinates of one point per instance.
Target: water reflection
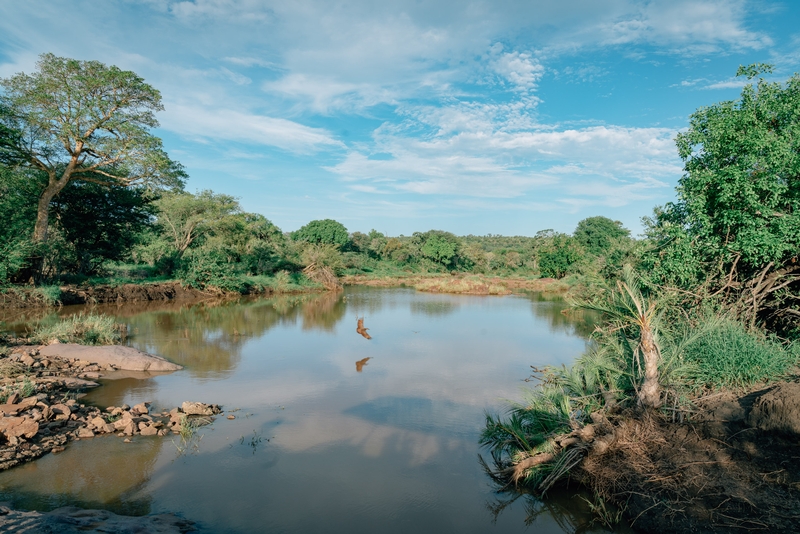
(561, 316)
(438, 364)
(111, 479)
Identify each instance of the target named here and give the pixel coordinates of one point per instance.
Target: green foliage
(213, 267)
(101, 223)
(99, 113)
(324, 232)
(735, 227)
(437, 246)
(88, 329)
(558, 256)
(726, 354)
(597, 235)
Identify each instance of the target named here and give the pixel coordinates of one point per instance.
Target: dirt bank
(31, 298)
(735, 467)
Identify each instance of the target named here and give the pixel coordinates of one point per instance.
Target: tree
(438, 246)
(323, 232)
(185, 218)
(558, 254)
(82, 120)
(598, 234)
(125, 212)
(737, 217)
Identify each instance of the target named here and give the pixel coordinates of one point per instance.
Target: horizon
(469, 118)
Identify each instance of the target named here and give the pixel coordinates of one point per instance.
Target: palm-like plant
(629, 311)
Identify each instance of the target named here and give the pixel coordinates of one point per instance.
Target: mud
(459, 283)
(735, 467)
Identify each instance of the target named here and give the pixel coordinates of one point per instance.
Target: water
(333, 432)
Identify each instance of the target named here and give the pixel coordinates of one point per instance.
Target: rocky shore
(41, 410)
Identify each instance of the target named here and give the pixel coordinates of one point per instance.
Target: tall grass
(725, 354)
(91, 329)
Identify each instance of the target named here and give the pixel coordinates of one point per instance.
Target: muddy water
(334, 432)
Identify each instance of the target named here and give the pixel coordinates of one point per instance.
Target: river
(333, 432)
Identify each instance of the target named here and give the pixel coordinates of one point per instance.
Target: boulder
(15, 427)
(778, 410)
(199, 408)
(125, 358)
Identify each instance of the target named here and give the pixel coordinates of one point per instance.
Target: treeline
(206, 239)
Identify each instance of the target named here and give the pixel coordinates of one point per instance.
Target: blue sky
(502, 117)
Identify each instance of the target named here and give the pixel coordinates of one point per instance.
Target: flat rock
(78, 383)
(14, 427)
(125, 358)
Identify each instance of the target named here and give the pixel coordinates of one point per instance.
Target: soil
(734, 468)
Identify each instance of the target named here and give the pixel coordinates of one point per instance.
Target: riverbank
(732, 466)
(459, 283)
(27, 297)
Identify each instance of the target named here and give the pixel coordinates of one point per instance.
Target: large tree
(735, 228)
(84, 120)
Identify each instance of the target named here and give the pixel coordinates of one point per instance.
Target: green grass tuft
(727, 355)
(88, 329)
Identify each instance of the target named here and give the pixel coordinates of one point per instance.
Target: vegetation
(708, 300)
(85, 329)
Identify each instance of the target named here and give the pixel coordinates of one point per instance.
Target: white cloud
(212, 124)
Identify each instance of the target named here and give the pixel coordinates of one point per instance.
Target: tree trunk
(650, 394)
(53, 188)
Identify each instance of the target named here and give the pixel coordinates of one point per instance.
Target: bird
(361, 330)
(361, 363)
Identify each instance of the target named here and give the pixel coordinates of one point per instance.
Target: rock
(78, 383)
(163, 432)
(55, 450)
(98, 423)
(231, 417)
(85, 433)
(126, 440)
(60, 412)
(13, 398)
(141, 408)
(125, 358)
(27, 360)
(16, 427)
(149, 431)
(199, 408)
(90, 376)
(129, 429)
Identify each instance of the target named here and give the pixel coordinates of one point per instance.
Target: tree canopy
(84, 120)
(735, 227)
(598, 234)
(323, 232)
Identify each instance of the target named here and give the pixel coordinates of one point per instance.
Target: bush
(212, 268)
(726, 355)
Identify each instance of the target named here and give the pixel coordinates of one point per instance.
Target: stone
(149, 431)
(17, 427)
(231, 417)
(124, 358)
(199, 408)
(27, 360)
(129, 429)
(98, 423)
(126, 440)
(141, 408)
(60, 412)
(13, 398)
(163, 432)
(85, 433)
(78, 383)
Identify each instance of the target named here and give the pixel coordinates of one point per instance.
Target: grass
(91, 329)
(24, 390)
(726, 355)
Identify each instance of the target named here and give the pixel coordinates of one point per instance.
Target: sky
(474, 117)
